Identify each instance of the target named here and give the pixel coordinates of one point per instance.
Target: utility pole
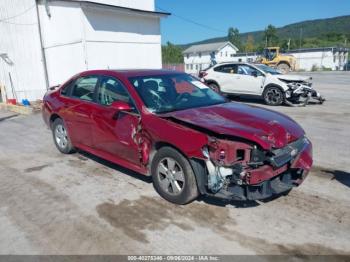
(300, 37)
(288, 44)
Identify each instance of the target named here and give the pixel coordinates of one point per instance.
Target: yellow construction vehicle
(272, 57)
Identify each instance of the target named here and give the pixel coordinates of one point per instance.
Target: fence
(175, 67)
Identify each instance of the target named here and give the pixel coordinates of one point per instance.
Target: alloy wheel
(171, 176)
(61, 136)
(273, 96)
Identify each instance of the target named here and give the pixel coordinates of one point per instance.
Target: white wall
(136, 4)
(74, 40)
(20, 40)
(328, 59)
(117, 39)
(225, 54)
(62, 36)
(195, 62)
(80, 37)
(306, 60)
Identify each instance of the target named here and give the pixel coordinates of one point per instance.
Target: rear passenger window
(65, 91)
(84, 88)
(229, 69)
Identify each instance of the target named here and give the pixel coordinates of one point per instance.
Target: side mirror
(255, 73)
(121, 106)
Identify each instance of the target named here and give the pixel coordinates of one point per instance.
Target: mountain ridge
(307, 29)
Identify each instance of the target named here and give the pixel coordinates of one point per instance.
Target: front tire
(273, 96)
(61, 138)
(173, 177)
(284, 68)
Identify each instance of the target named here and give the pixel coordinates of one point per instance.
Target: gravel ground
(78, 204)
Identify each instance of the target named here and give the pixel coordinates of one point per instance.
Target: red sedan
(172, 127)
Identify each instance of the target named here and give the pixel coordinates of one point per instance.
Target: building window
(221, 54)
(188, 56)
(191, 66)
(196, 67)
(226, 53)
(200, 54)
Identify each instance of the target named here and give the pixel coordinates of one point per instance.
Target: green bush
(314, 68)
(326, 68)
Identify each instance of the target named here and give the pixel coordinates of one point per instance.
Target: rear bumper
(284, 179)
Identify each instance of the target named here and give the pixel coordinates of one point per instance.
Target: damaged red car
(172, 127)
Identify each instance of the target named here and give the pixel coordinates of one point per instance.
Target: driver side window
(111, 90)
(84, 88)
(248, 70)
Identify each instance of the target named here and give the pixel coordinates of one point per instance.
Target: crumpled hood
(294, 77)
(265, 127)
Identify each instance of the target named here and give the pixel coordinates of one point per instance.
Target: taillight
(202, 74)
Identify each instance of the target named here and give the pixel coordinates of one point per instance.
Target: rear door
(226, 77)
(78, 101)
(113, 133)
(249, 80)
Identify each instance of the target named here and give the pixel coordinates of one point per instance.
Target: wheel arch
(274, 85)
(52, 119)
(284, 62)
(212, 81)
(197, 165)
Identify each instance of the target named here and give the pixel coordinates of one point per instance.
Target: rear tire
(173, 177)
(284, 68)
(273, 96)
(215, 87)
(61, 138)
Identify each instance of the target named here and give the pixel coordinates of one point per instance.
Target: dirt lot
(56, 204)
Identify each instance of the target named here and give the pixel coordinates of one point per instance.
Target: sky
(247, 15)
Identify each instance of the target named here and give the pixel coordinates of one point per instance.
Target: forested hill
(318, 28)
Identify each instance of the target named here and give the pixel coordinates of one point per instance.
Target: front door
(113, 132)
(249, 80)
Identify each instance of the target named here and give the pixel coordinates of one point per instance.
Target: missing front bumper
(269, 188)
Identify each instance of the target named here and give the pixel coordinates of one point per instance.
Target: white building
(198, 57)
(319, 58)
(44, 42)
(308, 59)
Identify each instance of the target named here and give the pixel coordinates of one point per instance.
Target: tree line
(172, 54)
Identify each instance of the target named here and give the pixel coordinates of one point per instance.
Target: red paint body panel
(129, 138)
(243, 121)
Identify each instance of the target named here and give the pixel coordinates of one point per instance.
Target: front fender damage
(301, 93)
(243, 171)
(144, 143)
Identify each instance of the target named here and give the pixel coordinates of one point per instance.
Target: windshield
(268, 69)
(173, 92)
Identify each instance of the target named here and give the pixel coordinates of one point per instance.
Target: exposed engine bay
(245, 172)
(300, 93)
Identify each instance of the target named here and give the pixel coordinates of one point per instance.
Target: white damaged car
(275, 88)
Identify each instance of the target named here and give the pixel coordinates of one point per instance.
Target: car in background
(347, 66)
(275, 88)
(170, 126)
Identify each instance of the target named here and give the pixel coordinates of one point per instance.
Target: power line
(192, 21)
(7, 22)
(19, 14)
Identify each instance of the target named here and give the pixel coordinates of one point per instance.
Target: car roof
(132, 72)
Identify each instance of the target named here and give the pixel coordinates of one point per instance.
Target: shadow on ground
(116, 167)
(342, 177)
(203, 198)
